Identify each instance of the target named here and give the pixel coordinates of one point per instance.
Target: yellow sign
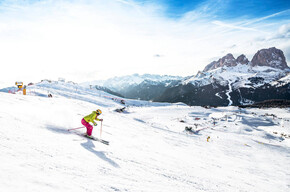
(19, 84)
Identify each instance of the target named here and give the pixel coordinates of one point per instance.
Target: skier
(91, 118)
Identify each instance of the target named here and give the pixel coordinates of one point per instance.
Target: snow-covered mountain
(145, 87)
(239, 76)
(223, 149)
(231, 81)
(227, 81)
(121, 83)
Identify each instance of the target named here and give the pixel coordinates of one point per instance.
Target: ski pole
(76, 128)
(101, 129)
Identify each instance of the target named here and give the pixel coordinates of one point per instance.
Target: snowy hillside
(237, 76)
(231, 85)
(283, 81)
(227, 149)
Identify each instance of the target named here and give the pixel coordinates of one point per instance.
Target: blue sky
(221, 9)
(83, 40)
(226, 9)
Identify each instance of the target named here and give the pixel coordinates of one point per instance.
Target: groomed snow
(149, 149)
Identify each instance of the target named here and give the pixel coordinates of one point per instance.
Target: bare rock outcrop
(271, 57)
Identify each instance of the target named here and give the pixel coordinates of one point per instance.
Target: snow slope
(149, 149)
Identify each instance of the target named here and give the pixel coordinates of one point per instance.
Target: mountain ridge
(227, 81)
(271, 57)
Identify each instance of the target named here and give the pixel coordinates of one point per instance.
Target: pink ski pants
(88, 126)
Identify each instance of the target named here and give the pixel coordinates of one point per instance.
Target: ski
(97, 139)
(92, 137)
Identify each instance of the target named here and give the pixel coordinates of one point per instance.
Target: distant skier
(91, 118)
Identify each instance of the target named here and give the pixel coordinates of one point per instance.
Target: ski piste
(92, 137)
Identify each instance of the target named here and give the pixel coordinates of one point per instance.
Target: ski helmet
(99, 112)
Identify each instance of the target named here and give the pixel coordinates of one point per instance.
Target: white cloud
(88, 40)
(231, 26)
(284, 31)
(267, 17)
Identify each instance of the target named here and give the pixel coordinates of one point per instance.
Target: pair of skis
(86, 136)
(96, 139)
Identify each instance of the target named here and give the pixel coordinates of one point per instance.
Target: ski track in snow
(149, 149)
(228, 93)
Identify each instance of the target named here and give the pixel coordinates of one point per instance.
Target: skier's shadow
(89, 145)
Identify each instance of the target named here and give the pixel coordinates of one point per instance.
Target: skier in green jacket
(91, 118)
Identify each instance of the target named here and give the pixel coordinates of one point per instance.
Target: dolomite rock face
(242, 59)
(227, 60)
(271, 57)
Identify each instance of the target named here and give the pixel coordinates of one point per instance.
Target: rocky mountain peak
(242, 59)
(271, 57)
(227, 60)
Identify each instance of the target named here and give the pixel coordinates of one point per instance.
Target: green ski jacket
(91, 118)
